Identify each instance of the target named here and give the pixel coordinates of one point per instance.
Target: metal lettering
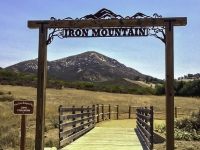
(124, 30)
(71, 32)
(136, 31)
(65, 35)
(117, 31)
(78, 32)
(141, 31)
(111, 32)
(105, 32)
(130, 33)
(95, 32)
(85, 32)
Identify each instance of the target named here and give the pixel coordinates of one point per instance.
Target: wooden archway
(106, 20)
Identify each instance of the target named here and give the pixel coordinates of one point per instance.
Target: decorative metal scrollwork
(107, 14)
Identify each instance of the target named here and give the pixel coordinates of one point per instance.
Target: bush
(54, 121)
(51, 143)
(4, 98)
(185, 129)
(160, 128)
(9, 138)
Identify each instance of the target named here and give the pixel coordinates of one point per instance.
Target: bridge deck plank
(102, 138)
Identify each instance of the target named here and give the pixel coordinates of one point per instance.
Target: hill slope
(88, 66)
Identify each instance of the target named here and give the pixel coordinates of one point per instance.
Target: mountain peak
(90, 66)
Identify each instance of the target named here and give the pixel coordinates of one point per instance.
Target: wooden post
(102, 112)
(23, 132)
(129, 112)
(74, 118)
(82, 110)
(93, 113)
(145, 114)
(109, 111)
(88, 111)
(41, 88)
(176, 113)
(169, 87)
(117, 112)
(97, 113)
(60, 122)
(151, 125)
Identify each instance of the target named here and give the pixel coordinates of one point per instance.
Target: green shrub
(161, 128)
(10, 138)
(4, 98)
(54, 121)
(9, 93)
(49, 143)
(46, 129)
(185, 129)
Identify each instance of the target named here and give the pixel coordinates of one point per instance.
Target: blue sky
(145, 54)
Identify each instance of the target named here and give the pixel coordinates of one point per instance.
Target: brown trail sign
(100, 23)
(23, 108)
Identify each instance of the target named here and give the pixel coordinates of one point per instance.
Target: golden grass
(141, 83)
(69, 97)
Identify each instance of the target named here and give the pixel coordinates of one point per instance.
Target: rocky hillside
(88, 66)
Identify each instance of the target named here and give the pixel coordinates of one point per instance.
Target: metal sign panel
(23, 107)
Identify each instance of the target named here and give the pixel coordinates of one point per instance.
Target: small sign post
(23, 108)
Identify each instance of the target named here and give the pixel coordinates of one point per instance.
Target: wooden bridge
(78, 130)
(102, 138)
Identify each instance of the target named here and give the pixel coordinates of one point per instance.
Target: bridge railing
(74, 122)
(145, 124)
(103, 112)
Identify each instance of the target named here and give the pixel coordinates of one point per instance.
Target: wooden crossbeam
(100, 23)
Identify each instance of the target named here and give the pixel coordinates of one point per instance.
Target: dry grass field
(10, 124)
(141, 83)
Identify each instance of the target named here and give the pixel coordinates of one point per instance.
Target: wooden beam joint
(170, 23)
(42, 25)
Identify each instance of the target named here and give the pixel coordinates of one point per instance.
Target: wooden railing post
(93, 113)
(129, 116)
(145, 115)
(74, 118)
(82, 110)
(117, 112)
(102, 112)
(60, 122)
(151, 126)
(88, 115)
(97, 113)
(109, 109)
(176, 114)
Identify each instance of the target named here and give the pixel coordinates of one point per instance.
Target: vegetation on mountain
(8, 77)
(88, 66)
(181, 88)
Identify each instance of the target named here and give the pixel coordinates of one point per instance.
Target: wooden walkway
(103, 138)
